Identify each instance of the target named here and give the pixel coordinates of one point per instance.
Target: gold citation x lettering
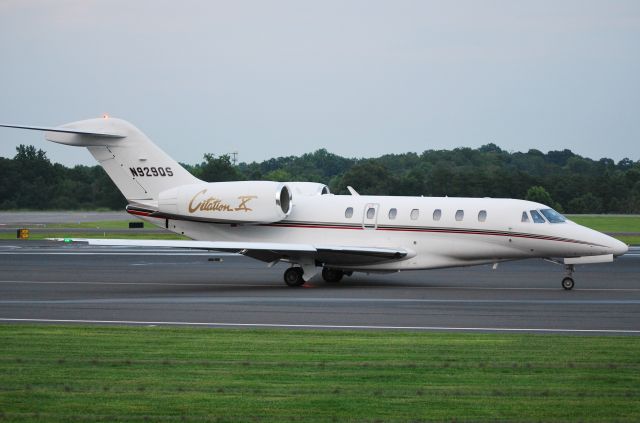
(213, 204)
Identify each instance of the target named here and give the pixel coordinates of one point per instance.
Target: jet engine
(232, 202)
(308, 188)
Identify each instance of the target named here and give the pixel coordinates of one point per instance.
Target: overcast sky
(359, 78)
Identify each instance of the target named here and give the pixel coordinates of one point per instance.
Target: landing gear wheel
(293, 276)
(332, 275)
(567, 283)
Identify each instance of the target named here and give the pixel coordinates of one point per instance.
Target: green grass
(73, 373)
(74, 230)
(100, 224)
(629, 239)
(606, 223)
(612, 224)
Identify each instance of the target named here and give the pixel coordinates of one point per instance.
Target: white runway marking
(311, 326)
(308, 301)
(279, 285)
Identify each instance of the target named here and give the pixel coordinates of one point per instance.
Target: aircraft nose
(619, 248)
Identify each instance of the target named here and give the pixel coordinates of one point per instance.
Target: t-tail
(136, 165)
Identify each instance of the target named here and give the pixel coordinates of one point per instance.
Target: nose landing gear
(567, 282)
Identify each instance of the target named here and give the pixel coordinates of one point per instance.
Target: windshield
(536, 217)
(553, 216)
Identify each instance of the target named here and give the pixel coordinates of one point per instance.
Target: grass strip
(94, 373)
(629, 239)
(101, 224)
(606, 223)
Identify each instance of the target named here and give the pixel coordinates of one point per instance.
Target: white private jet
(301, 223)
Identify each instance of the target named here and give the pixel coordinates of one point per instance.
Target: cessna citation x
(302, 224)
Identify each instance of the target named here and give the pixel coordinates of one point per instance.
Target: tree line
(564, 180)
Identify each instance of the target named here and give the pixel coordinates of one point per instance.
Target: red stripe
(462, 232)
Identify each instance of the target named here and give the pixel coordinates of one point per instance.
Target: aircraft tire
(567, 283)
(293, 276)
(332, 275)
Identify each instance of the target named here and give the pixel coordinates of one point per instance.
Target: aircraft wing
(268, 251)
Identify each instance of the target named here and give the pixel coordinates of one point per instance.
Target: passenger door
(370, 216)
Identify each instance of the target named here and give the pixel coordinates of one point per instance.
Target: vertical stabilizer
(136, 165)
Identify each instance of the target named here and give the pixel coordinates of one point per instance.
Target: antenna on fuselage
(353, 191)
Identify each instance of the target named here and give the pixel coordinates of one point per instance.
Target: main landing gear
(293, 275)
(567, 282)
(332, 275)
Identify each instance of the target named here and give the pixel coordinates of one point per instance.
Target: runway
(65, 283)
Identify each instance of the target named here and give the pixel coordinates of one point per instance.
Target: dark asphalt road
(57, 282)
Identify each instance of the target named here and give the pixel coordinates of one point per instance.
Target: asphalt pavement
(43, 281)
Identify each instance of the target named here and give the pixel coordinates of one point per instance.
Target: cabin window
(459, 215)
(393, 213)
(525, 217)
(537, 218)
(371, 213)
(553, 216)
(482, 216)
(437, 214)
(348, 213)
(415, 213)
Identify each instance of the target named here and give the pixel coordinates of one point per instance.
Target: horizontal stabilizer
(136, 165)
(65, 131)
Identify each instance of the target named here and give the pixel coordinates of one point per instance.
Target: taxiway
(74, 283)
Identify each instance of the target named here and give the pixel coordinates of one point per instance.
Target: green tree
(279, 175)
(586, 203)
(217, 169)
(369, 177)
(540, 195)
(30, 180)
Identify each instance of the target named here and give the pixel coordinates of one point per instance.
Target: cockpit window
(536, 217)
(525, 217)
(553, 216)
